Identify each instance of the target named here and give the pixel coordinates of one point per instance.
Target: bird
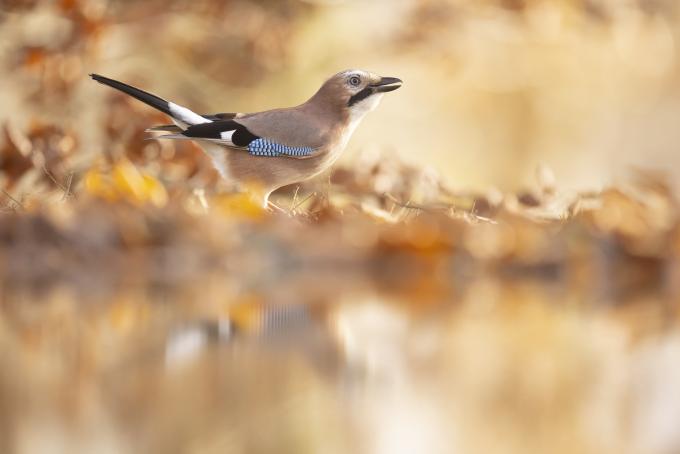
(274, 148)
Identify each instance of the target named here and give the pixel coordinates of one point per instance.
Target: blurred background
(493, 88)
(492, 268)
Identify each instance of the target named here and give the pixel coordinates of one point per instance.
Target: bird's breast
(336, 145)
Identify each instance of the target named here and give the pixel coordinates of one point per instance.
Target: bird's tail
(181, 115)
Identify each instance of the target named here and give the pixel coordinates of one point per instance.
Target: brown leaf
(13, 163)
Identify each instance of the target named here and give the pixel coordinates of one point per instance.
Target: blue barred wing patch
(264, 147)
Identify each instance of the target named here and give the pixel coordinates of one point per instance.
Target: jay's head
(356, 91)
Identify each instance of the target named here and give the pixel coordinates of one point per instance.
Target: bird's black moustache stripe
(363, 94)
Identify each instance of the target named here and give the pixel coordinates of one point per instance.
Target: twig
(295, 196)
(451, 209)
(304, 200)
(54, 180)
(9, 196)
(69, 182)
(66, 188)
(408, 204)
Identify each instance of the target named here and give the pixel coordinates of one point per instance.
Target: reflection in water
(506, 366)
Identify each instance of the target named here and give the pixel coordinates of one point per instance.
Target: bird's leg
(268, 204)
(271, 206)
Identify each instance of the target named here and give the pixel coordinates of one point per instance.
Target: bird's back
(299, 126)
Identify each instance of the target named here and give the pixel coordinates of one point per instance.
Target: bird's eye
(355, 81)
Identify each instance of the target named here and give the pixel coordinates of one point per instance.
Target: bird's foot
(274, 208)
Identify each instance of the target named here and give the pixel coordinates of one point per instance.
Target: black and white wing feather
(177, 129)
(233, 134)
(221, 128)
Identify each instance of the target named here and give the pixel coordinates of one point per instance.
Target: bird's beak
(386, 84)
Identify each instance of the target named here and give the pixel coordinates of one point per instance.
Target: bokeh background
(494, 88)
(493, 267)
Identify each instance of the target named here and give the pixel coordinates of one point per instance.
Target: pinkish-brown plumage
(299, 142)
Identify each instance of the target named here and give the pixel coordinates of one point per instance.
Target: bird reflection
(299, 329)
